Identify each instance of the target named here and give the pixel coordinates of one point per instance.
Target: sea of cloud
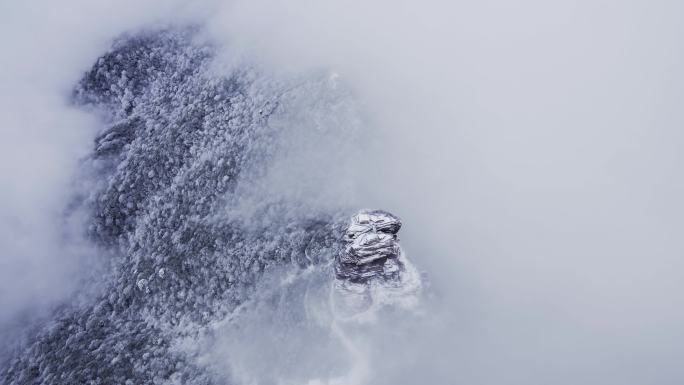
(532, 148)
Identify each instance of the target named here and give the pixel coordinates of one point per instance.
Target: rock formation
(372, 247)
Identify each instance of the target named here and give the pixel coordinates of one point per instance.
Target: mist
(531, 149)
(48, 46)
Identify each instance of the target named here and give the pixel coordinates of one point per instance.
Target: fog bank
(532, 150)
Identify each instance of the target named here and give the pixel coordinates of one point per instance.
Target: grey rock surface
(372, 247)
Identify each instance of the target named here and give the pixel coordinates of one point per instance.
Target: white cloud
(533, 149)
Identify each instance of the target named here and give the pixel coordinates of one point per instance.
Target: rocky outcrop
(372, 247)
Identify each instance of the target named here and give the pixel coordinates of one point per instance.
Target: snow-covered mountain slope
(179, 193)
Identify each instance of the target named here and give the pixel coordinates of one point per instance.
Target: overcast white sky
(533, 149)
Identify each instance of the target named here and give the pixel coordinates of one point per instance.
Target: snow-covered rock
(372, 247)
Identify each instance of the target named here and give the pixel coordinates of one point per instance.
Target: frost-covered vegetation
(161, 190)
